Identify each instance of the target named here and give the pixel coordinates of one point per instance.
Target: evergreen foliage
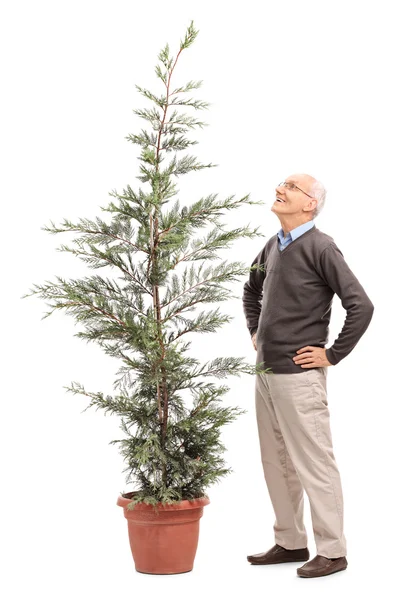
(173, 452)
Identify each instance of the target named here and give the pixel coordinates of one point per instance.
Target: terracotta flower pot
(163, 543)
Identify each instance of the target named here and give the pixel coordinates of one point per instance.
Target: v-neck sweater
(288, 299)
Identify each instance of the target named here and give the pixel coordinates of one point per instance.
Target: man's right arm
(253, 292)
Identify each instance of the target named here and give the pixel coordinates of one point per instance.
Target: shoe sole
(277, 562)
(322, 574)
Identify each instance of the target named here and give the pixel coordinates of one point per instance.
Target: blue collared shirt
(292, 235)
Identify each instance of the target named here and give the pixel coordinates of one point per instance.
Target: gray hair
(319, 193)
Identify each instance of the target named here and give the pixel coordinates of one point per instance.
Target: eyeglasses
(292, 186)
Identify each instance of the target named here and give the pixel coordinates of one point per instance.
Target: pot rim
(182, 505)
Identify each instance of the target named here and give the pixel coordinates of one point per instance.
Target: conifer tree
(173, 451)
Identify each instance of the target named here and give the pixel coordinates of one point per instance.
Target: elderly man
(287, 303)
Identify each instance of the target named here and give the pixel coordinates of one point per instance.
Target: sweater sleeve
(253, 292)
(355, 301)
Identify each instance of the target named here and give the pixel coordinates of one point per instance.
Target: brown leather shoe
(321, 565)
(278, 554)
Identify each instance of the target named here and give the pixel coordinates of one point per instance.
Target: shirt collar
(296, 232)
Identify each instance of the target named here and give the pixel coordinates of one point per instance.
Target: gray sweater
(288, 299)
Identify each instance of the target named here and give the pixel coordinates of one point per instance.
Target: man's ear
(313, 203)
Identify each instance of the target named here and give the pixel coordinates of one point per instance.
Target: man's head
(302, 199)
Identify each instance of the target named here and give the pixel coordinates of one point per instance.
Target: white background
(294, 87)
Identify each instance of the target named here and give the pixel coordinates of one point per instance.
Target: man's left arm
(337, 274)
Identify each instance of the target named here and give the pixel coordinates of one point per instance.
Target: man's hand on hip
(311, 356)
(253, 339)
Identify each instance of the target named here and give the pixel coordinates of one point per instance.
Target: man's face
(293, 199)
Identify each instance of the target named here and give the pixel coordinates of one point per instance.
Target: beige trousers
(296, 453)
